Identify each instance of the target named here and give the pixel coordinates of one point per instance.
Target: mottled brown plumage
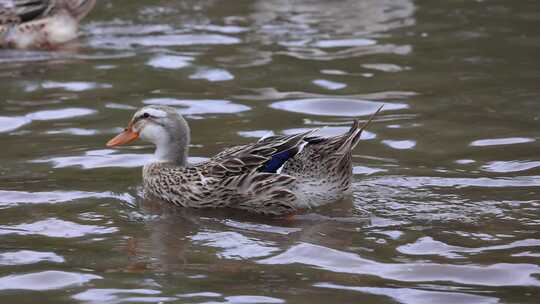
(277, 175)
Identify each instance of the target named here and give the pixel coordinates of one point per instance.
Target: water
(446, 204)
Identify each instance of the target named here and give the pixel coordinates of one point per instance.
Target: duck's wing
(245, 177)
(20, 11)
(257, 192)
(268, 155)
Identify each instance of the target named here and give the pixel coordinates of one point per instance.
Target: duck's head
(162, 126)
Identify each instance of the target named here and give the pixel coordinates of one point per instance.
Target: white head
(162, 126)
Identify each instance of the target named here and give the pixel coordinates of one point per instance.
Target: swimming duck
(41, 23)
(278, 175)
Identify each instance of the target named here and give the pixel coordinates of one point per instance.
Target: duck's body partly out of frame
(277, 175)
(41, 23)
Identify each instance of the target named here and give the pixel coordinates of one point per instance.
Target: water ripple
(384, 67)
(74, 131)
(46, 280)
(170, 61)
(127, 29)
(510, 166)
(235, 246)
(329, 85)
(25, 257)
(73, 86)
(337, 43)
(225, 29)
(206, 106)
(415, 182)
(261, 227)
(429, 246)
(127, 42)
(212, 75)
(105, 158)
(252, 299)
(416, 296)
(335, 107)
(400, 144)
(501, 141)
(501, 274)
(56, 228)
(115, 295)
(329, 132)
(8, 124)
(60, 114)
(11, 198)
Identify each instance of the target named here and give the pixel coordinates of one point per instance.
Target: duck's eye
(145, 115)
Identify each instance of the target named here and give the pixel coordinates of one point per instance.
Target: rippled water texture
(446, 203)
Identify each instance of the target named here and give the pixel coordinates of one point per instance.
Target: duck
(44, 24)
(278, 175)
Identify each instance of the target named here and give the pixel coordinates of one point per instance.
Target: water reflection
(338, 261)
(429, 246)
(400, 144)
(13, 198)
(330, 85)
(510, 166)
(192, 107)
(305, 27)
(212, 75)
(45, 280)
(130, 42)
(25, 257)
(231, 239)
(335, 107)
(106, 158)
(68, 86)
(170, 61)
(57, 228)
(113, 295)
(501, 141)
(235, 246)
(8, 124)
(416, 296)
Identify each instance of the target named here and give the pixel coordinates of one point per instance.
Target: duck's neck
(173, 150)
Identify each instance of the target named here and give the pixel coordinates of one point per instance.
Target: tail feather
(365, 126)
(327, 161)
(354, 134)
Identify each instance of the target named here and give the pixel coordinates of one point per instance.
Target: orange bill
(123, 138)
